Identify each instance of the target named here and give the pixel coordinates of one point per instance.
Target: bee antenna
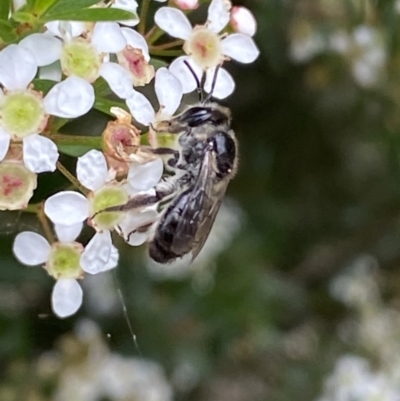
(196, 78)
(214, 81)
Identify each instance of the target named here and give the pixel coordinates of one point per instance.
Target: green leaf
(74, 150)
(24, 17)
(7, 33)
(104, 105)
(41, 6)
(62, 6)
(157, 63)
(4, 9)
(101, 88)
(89, 14)
(43, 85)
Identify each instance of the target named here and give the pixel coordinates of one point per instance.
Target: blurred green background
(297, 295)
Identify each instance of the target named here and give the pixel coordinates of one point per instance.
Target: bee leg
(173, 161)
(161, 190)
(141, 229)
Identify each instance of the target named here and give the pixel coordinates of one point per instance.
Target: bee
(200, 169)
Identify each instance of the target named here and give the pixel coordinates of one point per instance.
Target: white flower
(24, 113)
(169, 94)
(68, 207)
(66, 261)
(88, 57)
(203, 44)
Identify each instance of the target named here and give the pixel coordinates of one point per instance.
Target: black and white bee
(198, 169)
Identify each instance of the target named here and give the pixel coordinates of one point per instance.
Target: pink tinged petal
(180, 70)
(140, 108)
(68, 233)
(31, 249)
(108, 38)
(17, 67)
(52, 72)
(168, 90)
(243, 21)
(97, 253)
(218, 15)
(45, 48)
(4, 143)
(40, 154)
(91, 169)
(67, 208)
(142, 177)
(114, 258)
(118, 78)
(70, 98)
(187, 4)
(240, 47)
(66, 298)
(134, 220)
(224, 86)
(174, 22)
(137, 41)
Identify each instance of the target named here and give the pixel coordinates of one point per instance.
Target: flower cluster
(67, 60)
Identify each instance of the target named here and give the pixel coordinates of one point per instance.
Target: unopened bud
(187, 4)
(243, 21)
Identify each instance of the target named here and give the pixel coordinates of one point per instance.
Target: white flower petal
(45, 48)
(140, 108)
(137, 41)
(4, 143)
(67, 208)
(118, 78)
(174, 22)
(224, 86)
(240, 47)
(97, 253)
(218, 15)
(134, 220)
(68, 233)
(66, 29)
(70, 98)
(180, 70)
(142, 177)
(107, 37)
(31, 248)
(17, 67)
(66, 298)
(128, 5)
(52, 72)
(168, 90)
(39, 153)
(114, 258)
(91, 169)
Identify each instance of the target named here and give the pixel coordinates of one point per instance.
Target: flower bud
(243, 21)
(187, 4)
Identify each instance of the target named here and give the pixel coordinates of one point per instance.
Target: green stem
(143, 15)
(94, 142)
(175, 43)
(48, 232)
(166, 53)
(72, 179)
(153, 35)
(33, 208)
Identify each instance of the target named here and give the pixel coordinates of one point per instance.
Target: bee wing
(200, 209)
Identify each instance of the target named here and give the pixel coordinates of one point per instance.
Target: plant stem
(73, 180)
(93, 142)
(143, 15)
(166, 53)
(153, 35)
(48, 232)
(175, 43)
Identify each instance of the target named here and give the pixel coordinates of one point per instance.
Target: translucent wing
(199, 209)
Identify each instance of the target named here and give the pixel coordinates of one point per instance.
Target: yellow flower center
(205, 47)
